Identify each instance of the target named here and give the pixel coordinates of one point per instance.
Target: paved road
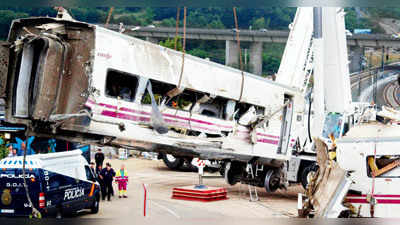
(161, 180)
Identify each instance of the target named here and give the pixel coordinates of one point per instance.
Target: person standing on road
(99, 158)
(122, 179)
(101, 181)
(108, 175)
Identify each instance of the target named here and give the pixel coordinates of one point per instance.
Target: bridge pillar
(152, 40)
(256, 57)
(357, 53)
(231, 54)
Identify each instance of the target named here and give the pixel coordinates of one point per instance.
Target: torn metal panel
(4, 57)
(328, 189)
(389, 113)
(46, 78)
(55, 28)
(58, 79)
(75, 82)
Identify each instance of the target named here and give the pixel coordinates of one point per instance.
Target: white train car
(85, 83)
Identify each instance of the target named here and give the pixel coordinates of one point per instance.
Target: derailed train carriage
(84, 83)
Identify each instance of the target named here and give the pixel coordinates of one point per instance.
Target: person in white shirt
(11, 151)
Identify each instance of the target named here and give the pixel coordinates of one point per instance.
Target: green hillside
(273, 18)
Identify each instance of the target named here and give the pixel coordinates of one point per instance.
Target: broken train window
(246, 113)
(383, 166)
(160, 90)
(212, 106)
(185, 100)
(190, 100)
(121, 84)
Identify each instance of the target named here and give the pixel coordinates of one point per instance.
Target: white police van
(59, 183)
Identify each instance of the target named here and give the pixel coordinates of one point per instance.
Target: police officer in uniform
(107, 175)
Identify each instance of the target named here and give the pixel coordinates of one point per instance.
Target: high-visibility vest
(122, 175)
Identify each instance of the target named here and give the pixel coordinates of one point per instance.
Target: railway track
(365, 75)
(391, 94)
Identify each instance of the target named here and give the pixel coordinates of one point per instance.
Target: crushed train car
(84, 83)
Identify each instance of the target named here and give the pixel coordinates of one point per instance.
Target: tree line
(273, 18)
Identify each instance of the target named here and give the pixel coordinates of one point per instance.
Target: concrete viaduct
(256, 38)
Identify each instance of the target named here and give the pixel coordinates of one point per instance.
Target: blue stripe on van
(15, 162)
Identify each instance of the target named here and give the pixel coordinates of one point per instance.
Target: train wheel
(308, 174)
(229, 173)
(172, 162)
(272, 180)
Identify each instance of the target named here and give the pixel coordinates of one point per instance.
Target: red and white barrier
(200, 165)
(145, 200)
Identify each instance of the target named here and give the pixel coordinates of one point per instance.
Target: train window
(189, 100)
(160, 90)
(186, 100)
(383, 166)
(242, 108)
(122, 85)
(212, 107)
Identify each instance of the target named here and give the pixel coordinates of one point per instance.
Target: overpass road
(273, 36)
(256, 38)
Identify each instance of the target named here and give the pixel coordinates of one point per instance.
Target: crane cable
(373, 201)
(240, 52)
(109, 16)
(35, 212)
(176, 27)
(183, 47)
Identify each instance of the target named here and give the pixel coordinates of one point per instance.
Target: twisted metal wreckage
(85, 83)
(81, 82)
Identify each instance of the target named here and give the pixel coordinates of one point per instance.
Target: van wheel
(172, 162)
(95, 207)
(59, 214)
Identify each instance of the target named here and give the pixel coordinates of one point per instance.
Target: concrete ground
(160, 181)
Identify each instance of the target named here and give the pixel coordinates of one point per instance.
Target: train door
(287, 115)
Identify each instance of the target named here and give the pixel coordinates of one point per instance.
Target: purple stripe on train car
(164, 114)
(177, 117)
(268, 141)
(147, 119)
